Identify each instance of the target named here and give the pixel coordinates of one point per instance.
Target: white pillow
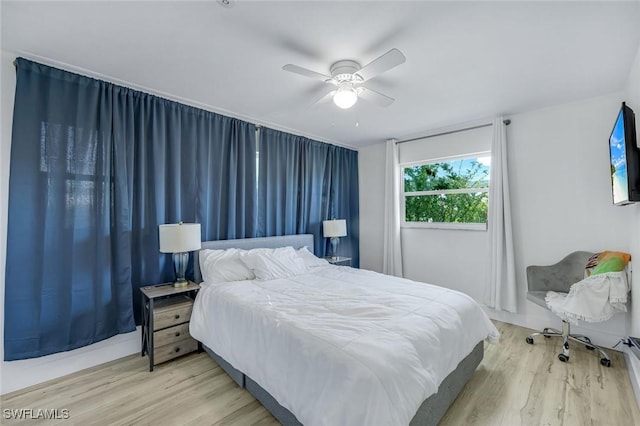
(309, 259)
(271, 264)
(224, 266)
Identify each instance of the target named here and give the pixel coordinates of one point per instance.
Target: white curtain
(500, 293)
(392, 254)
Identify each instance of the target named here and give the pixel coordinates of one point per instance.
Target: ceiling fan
(348, 76)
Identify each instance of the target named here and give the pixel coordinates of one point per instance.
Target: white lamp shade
(334, 228)
(179, 237)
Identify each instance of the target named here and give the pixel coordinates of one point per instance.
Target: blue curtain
(303, 182)
(95, 168)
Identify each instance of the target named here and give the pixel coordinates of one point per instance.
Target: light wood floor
(516, 384)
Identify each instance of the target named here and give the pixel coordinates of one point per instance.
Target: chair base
(566, 336)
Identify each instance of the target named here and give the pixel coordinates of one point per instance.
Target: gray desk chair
(559, 278)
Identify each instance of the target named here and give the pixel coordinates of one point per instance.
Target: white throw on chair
(563, 289)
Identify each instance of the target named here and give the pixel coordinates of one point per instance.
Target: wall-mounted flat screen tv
(625, 158)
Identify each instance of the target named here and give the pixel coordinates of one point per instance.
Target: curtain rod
(480, 126)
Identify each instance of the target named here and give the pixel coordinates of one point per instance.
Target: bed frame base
(435, 407)
(237, 375)
(429, 413)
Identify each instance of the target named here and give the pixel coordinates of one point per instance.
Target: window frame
(463, 226)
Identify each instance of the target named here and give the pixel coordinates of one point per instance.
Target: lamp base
(180, 284)
(334, 247)
(180, 261)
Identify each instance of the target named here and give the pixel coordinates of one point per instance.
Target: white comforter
(341, 346)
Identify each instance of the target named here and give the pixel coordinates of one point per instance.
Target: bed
(323, 347)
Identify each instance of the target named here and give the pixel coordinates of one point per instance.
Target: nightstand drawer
(170, 335)
(174, 350)
(175, 311)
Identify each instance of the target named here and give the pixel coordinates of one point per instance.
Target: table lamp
(180, 239)
(334, 229)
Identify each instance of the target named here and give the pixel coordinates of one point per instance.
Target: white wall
(19, 374)
(561, 202)
(429, 253)
(561, 196)
(423, 249)
(451, 258)
(632, 94)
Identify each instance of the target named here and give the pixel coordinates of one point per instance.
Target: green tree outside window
(451, 191)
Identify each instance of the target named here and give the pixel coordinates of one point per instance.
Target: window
(71, 159)
(447, 193)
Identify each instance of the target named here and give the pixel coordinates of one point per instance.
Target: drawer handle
(177, 334)
(177, 350)
(177, 316)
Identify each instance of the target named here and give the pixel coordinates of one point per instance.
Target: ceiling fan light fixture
(348, 76)
(346, 96)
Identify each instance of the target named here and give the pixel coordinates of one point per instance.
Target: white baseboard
(21, 374)
(633, 368)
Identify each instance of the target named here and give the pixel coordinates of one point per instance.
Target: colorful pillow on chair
(607, 261)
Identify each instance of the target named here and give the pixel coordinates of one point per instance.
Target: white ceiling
(465, 61)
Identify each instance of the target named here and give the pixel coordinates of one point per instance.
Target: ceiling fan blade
(391, 59)
(324, 98)
(307, 73)
(374, 97)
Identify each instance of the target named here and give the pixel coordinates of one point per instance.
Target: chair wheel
(589, 347)
(529, 340)
(564, 358)
(606, 362)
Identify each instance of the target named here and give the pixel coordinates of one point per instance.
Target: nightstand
(166, 312)
(339, 260)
